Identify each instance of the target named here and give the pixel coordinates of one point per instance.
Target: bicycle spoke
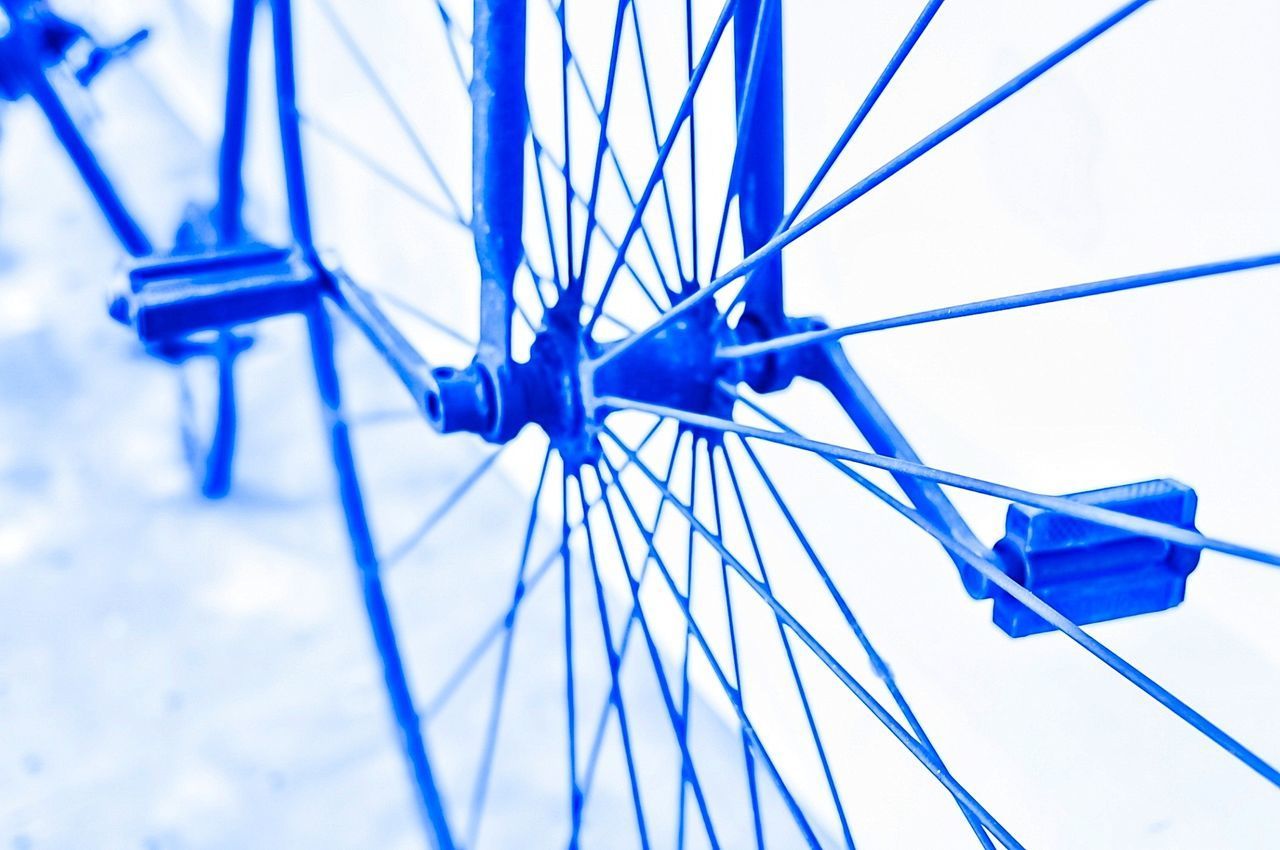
(567, 164)
(730, 691)
(615, 663)
(451, 501)
(847, 679)
(422, 316)
(673, 715)
(503, 621)
(684, 663)
(597, 739)
(749, 766)
(682, 114)
(546, 211)
(878, 665)
(384, 94)
(571, 713)
(336, 138)
(846, 136)
(453, 33)
(374, 418)
(678, 721)
(1059, 504)
(1060, 622)
(609, 239)
(864, 109)
(602, 137)
(657, 145)
(1003, 303)
(785, 237)
(480, 789)
(581, 77)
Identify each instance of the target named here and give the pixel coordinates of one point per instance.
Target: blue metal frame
(37, 41)
(1064, 560)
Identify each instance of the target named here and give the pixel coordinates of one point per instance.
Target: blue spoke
(791, 660)
(496, 629)
(673, 714)
(980, 563)
(384, 94)
(422, 316)
(615, 663)
(451, 29)
(374, 418)
(882, 670)
(1059, 504)
(864, 109)
(480, 789)
(684, 664)
(537, 280)
(785, 237)
(503, 622)
(1005, 302)
(682, 114)
(613, 157)
(816, 647)
(657, 145)
(546, 213)
(749, 766)
(433, 519)
(597, 740)
(334, 137)
(602, 141)
(575, 791)
(731, 692)
(882, 82)
(613, 243)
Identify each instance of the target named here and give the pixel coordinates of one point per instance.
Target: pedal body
(1090, 572)
(176, 297)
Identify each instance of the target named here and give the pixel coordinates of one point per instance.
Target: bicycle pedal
(174, 297)
(1090, 572)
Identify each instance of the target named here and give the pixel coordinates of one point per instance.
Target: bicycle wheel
(675, 660)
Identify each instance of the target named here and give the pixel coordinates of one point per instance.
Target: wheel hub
(558, 387)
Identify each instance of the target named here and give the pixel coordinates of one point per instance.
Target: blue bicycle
(610, 289)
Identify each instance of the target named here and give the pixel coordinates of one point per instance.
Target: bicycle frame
(489, 396)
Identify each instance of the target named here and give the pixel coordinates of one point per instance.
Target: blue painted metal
(413, 743)
(761, 156)
(103, 55)
(831, 368)
(295, 181)
(175, 297)
(961, 794)
(763, 255)
(1064, 560)
(802, 337)
(499, 128)
(228, 221)
(1089, 572)
(983, 564)
(36, 41)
